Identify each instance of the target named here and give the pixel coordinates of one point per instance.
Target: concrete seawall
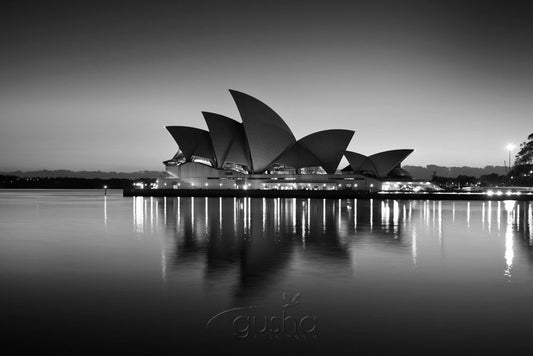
(321, 194)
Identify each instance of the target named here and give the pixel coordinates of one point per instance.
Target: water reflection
(530, 224)
(489, 218)
(139, 208)
(509, 253)
(105, 212)
(468, 214)
(255, 240)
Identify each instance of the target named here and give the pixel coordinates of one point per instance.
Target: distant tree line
(10, 181)
(452, 172)
(521, 174)
(462, 181)
(522, 170)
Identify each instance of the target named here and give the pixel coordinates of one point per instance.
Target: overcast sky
(91, 85)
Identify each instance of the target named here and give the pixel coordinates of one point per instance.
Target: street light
(510, 147)
(105, 189)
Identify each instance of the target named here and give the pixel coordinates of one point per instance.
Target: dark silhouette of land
(10, 181)
(83, 174)
(419, 172)
(67, 179)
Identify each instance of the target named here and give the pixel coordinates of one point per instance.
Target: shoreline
(320, 194)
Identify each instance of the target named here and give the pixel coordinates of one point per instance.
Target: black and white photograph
(266, 177)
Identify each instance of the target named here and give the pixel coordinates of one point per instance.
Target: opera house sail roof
(379, 164)
(263, 142)
(267, 134)
(229, 140)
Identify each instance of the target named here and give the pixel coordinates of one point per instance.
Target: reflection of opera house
(262, 153)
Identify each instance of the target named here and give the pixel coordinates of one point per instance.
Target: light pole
(105, 189)
(510, 147)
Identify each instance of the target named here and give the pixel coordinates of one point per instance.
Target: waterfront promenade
(329, 194)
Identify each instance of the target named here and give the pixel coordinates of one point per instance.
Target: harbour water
(84, 273)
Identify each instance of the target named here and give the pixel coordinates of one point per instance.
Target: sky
(90, 85)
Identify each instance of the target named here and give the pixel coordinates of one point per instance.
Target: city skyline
(91, 85)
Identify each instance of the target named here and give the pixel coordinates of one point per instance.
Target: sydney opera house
(261, 152)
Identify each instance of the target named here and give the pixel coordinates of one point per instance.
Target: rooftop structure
(253, 153)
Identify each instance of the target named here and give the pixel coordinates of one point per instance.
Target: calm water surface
(84, 273)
